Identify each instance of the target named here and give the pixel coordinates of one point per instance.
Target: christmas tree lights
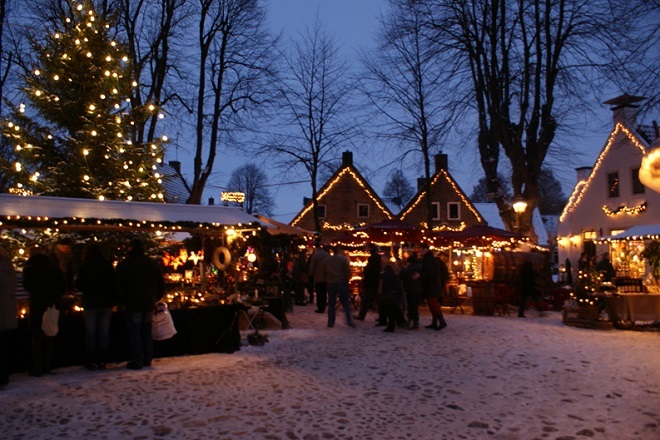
(77, 133)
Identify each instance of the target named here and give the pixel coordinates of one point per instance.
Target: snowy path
(482, 377)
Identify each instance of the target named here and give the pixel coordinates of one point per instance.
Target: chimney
(347, 159)
(421, 181)
(583, 173)
(624, 109)
(441, 162)
(211, 201)
(176, 165)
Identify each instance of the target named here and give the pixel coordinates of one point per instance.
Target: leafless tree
(234, 64)
(398, 189)
(404, 83)
(253, 182)
(148, 28)
(314, 107)
(528, 63)
(6, 62)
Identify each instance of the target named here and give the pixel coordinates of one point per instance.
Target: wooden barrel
(483, 298)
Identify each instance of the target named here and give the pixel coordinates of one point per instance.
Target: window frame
(367, 207)
(458, 210)
(436, 215)
(613, 184)
(636, 184)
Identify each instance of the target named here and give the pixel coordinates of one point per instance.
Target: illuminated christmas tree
(76, 136)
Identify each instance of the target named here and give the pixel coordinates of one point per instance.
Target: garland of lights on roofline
(107, 118)
(18, 221)
(581, 187)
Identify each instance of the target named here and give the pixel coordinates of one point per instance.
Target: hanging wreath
(221, 264)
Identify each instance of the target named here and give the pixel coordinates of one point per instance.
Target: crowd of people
(393, 288)
(135, 285)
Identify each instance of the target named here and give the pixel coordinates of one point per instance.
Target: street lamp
(519, 205)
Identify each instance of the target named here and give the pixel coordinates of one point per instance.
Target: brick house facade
(452, 208)
(345, 201)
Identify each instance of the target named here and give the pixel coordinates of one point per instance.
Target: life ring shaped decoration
(226, 258)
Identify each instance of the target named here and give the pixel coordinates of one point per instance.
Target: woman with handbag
(45, 285)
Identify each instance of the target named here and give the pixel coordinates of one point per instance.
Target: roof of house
(175, 188)
(347, 168)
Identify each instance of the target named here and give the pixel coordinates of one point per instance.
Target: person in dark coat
(45, 285)
(8, 321)
(370, 280)
(527, 286)
(316, 262)
(337, 273)
(96, 282)
(299, 278)
(605, 268)
(432, 288)
(391, 296)
(139, 285)
(412, 286)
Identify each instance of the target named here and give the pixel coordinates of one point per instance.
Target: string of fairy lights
(109, 119)
(581, 188)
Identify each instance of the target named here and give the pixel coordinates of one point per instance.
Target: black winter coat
(431, 276)
(139, 282)
(96, 281)
(45, 284)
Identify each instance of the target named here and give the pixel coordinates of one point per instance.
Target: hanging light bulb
(37, 72)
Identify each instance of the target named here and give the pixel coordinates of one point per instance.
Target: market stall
(634, 293)
(205, 314)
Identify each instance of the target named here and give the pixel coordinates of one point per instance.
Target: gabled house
(451, 207)
(609, 197)
(345, 201)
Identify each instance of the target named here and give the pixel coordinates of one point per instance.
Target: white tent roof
(70, 208)
(637, 232)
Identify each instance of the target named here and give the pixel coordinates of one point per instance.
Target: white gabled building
(609, 197)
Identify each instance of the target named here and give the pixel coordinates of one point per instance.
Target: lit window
(589, 235)
(453, 211)
(613, 184)
(363, 211)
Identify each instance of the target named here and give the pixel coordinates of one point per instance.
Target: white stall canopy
(70, 213)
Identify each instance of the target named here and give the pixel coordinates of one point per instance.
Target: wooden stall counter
(209, 329)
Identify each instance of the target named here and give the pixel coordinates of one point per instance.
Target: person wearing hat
(139, 285)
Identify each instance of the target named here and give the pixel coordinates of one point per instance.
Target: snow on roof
(639, 231)
(58, 207)
(491, 214)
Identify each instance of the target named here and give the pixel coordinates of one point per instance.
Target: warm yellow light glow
(519, 205)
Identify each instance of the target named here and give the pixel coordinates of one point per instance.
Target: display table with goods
(211, 329)
(625, 309)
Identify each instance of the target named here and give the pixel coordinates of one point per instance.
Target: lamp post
(519, 205)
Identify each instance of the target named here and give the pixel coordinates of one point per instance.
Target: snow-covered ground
(481, 377)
